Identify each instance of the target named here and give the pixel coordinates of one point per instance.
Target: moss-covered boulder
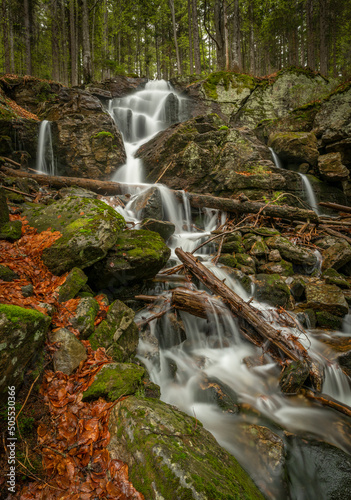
(84, 317)
(295, 147)
(329, 298)
(148, 204)
(22, 334)
(4, 211)
(171, 456)
(118, 333)
(283, 268)
(293, 377)
(6, 274)
(327, 320)
(116, 380)
(292, 253)
(75, 281)
(70, 353)
(272, 289)
(164, 228)
(337, 255)
(136, 255)
(331, 168)
(332, 277)
(89, 229)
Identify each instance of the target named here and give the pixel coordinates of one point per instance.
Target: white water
(307, 186)
(214, 348)
(45, 155)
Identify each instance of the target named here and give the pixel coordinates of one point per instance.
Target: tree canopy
(77, 41)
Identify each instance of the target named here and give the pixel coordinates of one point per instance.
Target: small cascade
(45, 154)
(309, 193)
(276, 160)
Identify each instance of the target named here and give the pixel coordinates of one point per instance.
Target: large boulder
(170, 455)
(337, 255)
(89, 229)
(295, 147)
(292, 253)
(331, 168)
(329, 298)
(86, 141)
(22, 334)
(136, 255)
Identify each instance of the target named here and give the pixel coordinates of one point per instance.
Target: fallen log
(335, 206)
(328, 401)
(197, 303)
(196, 200)
(291, 347)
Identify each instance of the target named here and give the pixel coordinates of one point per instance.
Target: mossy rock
(227, 260)
(170, 455)
(328, 320)
(6, 274)
(292, 253)
(283, 268)
(118, 333)
(328, 298)
(137, 255)
(75, 281)
(271, 288)
(293, 377)
(116, 380)
(22, 334)
(84, 318)
(332, 277)
(89, 229)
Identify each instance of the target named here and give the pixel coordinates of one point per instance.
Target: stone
(329, 298)
(6, 274)
(89, 229)
(195, 468)
(336, 256)
(259, 249)
(84, 316)
(27, 290)
(283, 268)
(245, 260)
(118, 333)
(148, 204)
(164, 228)
(295, 147)
(297, 288)
(4, 211)
(292, 253)
(274, 256)
(137, 255)
(22, 335)
(270, 288)
(76, 191)
(11, 231)
(75, 281)
(332, 277)
(70, 353)
(228, 260)
(116, 380)
(327, 320)
(331, 168)
(293, 377)
(344, 361)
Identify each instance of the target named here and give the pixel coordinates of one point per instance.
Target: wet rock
(94, 151)
(118, 333)
(137, 255)
(195, 468)
(70, 353)
(233, 244)
(75, 281)
(327, 298)
(297, 289)
(246, 260)
(89, 229)
(76, 191)
(6, 274)
(290, 252)
(115, 380)
(4, 211)
(337, 255)
(283, 268)
(270, 288)
(216, 392)
(331, 168)
(344, 361)
(148, 204)
(293, 377)
(295, 147)
(332, 277)
(164, 228)
(171, 109)
(22, 334)
(318, 469)
(228, 260)
(328, 320)
(84, 317)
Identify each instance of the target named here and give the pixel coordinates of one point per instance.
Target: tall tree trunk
(157, 47)
(237, 62)
(27, 37)
(87, 68)
(311, 61)
(171, 6)
(252, 39)
(323, 36)
(73, 42)
(55, 47)
(5, 35)
(64, 42)
(219, 37)
(106, 71)
(197, 57)
(190, 34)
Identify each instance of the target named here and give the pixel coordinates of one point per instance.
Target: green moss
(227, 79)
(328, 320)
(11, 231)
(103, 133)
(16, 314)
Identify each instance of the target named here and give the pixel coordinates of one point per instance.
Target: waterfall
(276, 160)
(214, 352)
(45, 154)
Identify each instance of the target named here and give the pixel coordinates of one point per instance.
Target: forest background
(78, 41)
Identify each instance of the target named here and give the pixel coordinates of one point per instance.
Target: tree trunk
(197, 57)
(27, 37)
(236, 57)
(190, 35)
(219, 37)
(252, 40)
(323, 36)
(87, 68)
(5, 36)
(311, 61)
(73, 44)
(171, 6)
(55, 46)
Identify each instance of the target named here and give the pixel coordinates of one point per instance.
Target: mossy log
(196, 200)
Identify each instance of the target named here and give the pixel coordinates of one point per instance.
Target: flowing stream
(195, 361)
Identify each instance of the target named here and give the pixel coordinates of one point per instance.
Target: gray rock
(27, 290)
(164, 228)
(295, 147)
(272, 289)
(75, 281)
(292, 253)
(321, 297)
(70, 353)
(337, 255)
(331, 168)
(148, 204)
(6, 274)
(145, 432)
(84, 317)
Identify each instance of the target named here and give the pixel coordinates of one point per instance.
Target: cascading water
(211, 352)
(45, 154)
(307, 186)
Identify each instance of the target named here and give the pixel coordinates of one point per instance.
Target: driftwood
(335, 206)
(196, 200)
(291, 347)
(326, 400)
(8, 160)
(19, 192)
